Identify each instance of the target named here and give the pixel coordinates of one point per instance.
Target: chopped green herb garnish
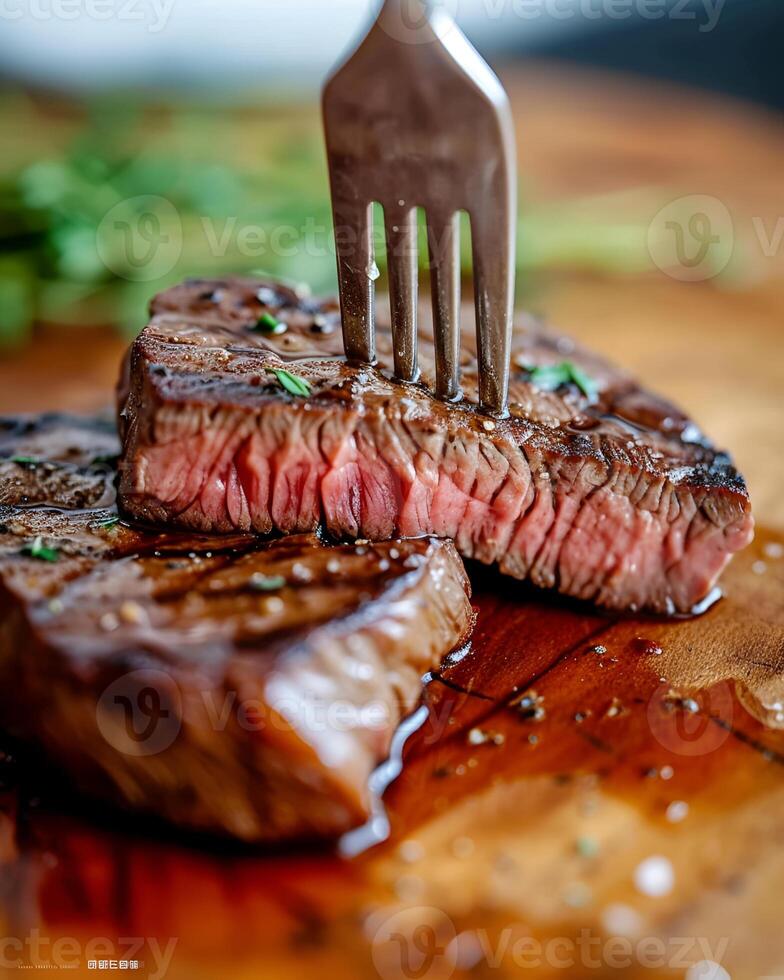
(293, 384)
(551, 376)
(266, 583)
(110, 523)
(37, 549)
(584, 382)
(24, 460)
(267, 323)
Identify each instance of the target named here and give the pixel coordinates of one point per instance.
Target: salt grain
(655, 877)
(478, 736)
(301, 573)
(132, 613)
(677, 811)
(109, 622)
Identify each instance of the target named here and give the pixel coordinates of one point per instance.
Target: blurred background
(144, 140)
(147, 140)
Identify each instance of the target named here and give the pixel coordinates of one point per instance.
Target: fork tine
(493, 258)
(401, 229)
(354, 247)
(443, 238)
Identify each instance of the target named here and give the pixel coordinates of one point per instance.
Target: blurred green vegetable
(88, 236)
(138, 200)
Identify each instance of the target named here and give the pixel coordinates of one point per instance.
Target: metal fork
(415, 118)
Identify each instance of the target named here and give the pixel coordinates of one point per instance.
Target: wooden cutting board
(580, 788)
(625, 819)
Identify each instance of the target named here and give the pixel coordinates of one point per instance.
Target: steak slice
(225, 684)
(616, 498)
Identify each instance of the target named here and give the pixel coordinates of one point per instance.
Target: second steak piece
(229, 684)
(239, 413)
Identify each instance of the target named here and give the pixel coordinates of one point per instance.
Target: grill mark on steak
(620, 500)
(353, 626)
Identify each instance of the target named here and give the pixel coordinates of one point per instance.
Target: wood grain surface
(587, 796)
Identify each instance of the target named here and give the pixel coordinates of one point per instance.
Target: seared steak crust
(618, 498)
(226, 684)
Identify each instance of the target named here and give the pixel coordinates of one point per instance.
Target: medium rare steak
(593, 486)
(225, 684)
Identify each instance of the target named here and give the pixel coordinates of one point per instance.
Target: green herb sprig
(269, 324)
(293, 384)
(25, 460)
(266, 583)
(550, 376)
(37, 549)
